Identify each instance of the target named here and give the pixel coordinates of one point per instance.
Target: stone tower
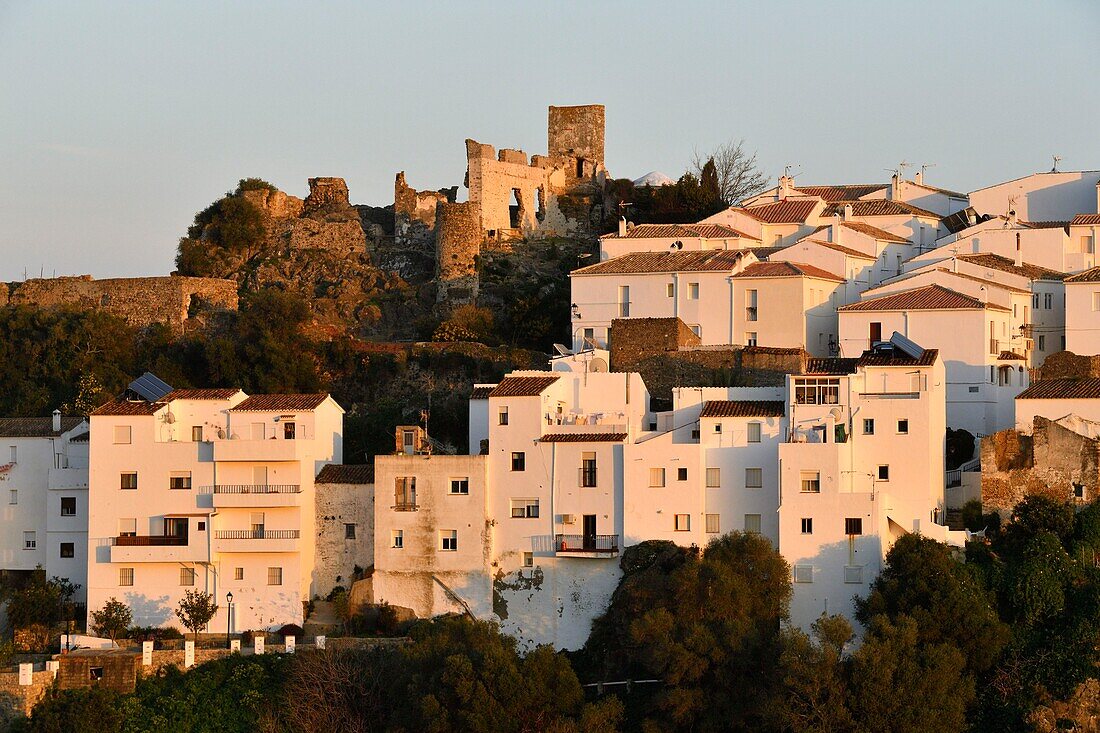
(576, 132)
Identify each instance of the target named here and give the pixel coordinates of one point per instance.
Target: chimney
(622, 226)
(785, 187)
(57, 421)
(847, 212)
(1012, 218)
(895, 187)
(834, 232)
(918, 178)
(954, 264)
(1019, 252)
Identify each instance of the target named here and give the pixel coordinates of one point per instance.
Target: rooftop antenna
(790, 172)
(902, 166)
(924, 168)
(1057, 160)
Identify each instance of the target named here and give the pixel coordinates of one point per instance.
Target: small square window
(127, 527)
(718, 427)
(683, 522)
(68, 549)
(179, 480)
(349, 531)
(502, 416)
(670, 290)
(122, 434)
(525, 508)
(274, 576)
(126, 576)
(868, 426)
(807, 525)
(1078, 491)
(528, 559)
(397, 539)
(853, 526)
(753, 435)
(128, 481)
(201, 526)
(187, 576)
(853, 573)
(883, 473)
(903, 427)
(693, 291)
(803, 573)
(811, 482)
(754, 478)
(238, 573)
(713, 523)
(752, 523)
(656, 477)
(460, 486)
(448, 540)
(714, 478)
(68, 506)
(30, 541)
(519, 461)
(681, 474)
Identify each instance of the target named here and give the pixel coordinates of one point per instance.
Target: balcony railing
(254, 489)
(404, 506)
(150, 541)
(586, 543)
(257, 534)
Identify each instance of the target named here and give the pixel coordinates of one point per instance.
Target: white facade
(1052, 196)
(210, 490)
(1083, 312)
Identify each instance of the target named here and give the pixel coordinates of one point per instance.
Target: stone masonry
(459, 236)
(324, 220)
(414, 211)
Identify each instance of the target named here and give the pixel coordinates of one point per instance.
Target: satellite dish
(169, 417)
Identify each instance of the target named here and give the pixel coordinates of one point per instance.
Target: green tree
(814, 678)
(195, 610)
(39, 601)
(112, 620)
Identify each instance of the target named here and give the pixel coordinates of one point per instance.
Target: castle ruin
(325, 219)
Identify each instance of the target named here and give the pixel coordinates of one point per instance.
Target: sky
(119, 121)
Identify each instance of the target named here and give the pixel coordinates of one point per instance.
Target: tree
(736, 171)
(112, 620)
(195, 610)
(814, 677)
(42, 601)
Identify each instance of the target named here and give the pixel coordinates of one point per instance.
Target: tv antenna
(789, 172)
(925, 166)
(902, 166)
(1057, 160)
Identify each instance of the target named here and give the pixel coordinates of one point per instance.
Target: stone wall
(1067, 365)
(576, 131)
(458, 234)
(140, 301)
(1048, 462)
(337, 556)
(274, 204)
(16, 700)
(120, 670)
(414, 211)
(325, 192)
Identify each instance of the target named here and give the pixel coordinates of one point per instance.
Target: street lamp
(228, 617)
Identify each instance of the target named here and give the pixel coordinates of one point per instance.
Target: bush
(972, 516)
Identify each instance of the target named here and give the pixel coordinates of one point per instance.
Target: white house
(44, 485)
(1050, 196)
(1057, 399)
(785, 304)
(672, 238)
(1083, 312)
(208, 489)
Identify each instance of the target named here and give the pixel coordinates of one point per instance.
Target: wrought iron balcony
(257, 534)
(586, 543)
(150, 541)
(255, 489)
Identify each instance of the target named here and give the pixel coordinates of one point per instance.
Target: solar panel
(911, 348)
(150, 387)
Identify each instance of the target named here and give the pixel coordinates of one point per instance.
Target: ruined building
(325, 219)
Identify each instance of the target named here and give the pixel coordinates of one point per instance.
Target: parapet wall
(140, 301)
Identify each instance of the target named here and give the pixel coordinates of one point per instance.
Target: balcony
(590, 545)
(227, 496)
(259, 450)
(68, 479)
(256, 540)
(402, 505)
(156, 548)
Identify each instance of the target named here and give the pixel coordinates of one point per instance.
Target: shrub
(111, 620)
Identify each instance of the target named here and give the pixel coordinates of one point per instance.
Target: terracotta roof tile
(897, 357)
(1043, 224)
(879, 207)
(872, 231)
(787, 211)
(998, 262)
(841, 248)
(786, 269)
(844, 192)
(930, 297)
(944, 191)
(128, 407)
(482, 393)
(721, 260)
(280, 402)
(583, 438)
(742, 408)
(200, 394)
(1086, 220)
(335, 473)
(35, 427)
(975, 278)
(664, 231)
(832, 365)
(1088, 276)
(1063, 389)
(522, 386)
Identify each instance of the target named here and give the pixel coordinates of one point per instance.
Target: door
(408, 441)
(590, 531)
(259, 476)
(875, 335)
(256, 520)
(176, 527)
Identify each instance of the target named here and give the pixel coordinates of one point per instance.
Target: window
(713, 524)
(752, 523)
(122, 434)
(349, 531)
(528, 559)
(30, 541)
(868, 426)
(1078, 491)
(288, 431)
(179, 480)
(1086, 244)
(803, 573)
(238, 573)
(718, 427)
(853, 573)
(588, 470)
(68, 506)
(460, 486)
(754, 478)
(589, 335)
(883, 473)
(68, 549)
(448, 540)
(196, 433)
(13, 496)
(128, 480)
(1096, 300)
(1035, 301)
(397, 539)
(753, 435)
(624, 301)
(853, 525)
(696, 329)
(683, 522)
(693, 291)
(187, 576)
(817, 391)
(127, 527)
(670, 290)
(656, 477)
(1042, 342)
(202, 526)
(13, 453)
(125, 576)
(750, 305)
(404, 493)
(274, 576)
(972, 389)
(714, 478)
(502, 416)
(811, 482)
(807, 525)
(681, 474)
(750, 338)
(519, 461)
(525, 508)
(903, 427)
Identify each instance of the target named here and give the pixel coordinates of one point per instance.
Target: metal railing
(257, 534)
(953, 478)
(150, 541)
(586, 543)
(404, 505)
(254, 489)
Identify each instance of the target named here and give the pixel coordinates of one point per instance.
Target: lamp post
(228, 618)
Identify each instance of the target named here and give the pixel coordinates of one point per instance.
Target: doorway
(589, 536)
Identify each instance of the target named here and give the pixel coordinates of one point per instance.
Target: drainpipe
(732, 307)
(553, 486)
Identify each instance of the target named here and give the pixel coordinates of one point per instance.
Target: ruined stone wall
(458, 234)
(337, 556)
(140, 301)
(1048, 462)
(576, 131)
(327, 191)
(274, 204)
(17, 700)
(1067, 365)
(414, 211)
(325, 220)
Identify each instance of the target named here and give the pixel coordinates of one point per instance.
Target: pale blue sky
(118, 121)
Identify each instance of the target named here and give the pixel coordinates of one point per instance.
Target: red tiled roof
(1042, 224)
(896, 357)
(945, 191)
(1063, 389)
(844, 192)
(35, 427)
(831, 366)
(975, 278)
(654, 262)
(840, 248)
(1088, 276)
(335, 473)
(882, 234)
(482, 393)
(879, 207)
(583, 438)
(522, 386)
(742, 408)
(930, 297)
(200, 394)
(997, 262)
(787, 211)
(1086, 219)
(663, 231)
(786, 269)
(128, 407)
(280, 402)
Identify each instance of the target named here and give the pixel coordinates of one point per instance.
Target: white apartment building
(910, 191)
(207, 489)
(1049, 196)
(786, 305)
(44, 490)
(1083, 312)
